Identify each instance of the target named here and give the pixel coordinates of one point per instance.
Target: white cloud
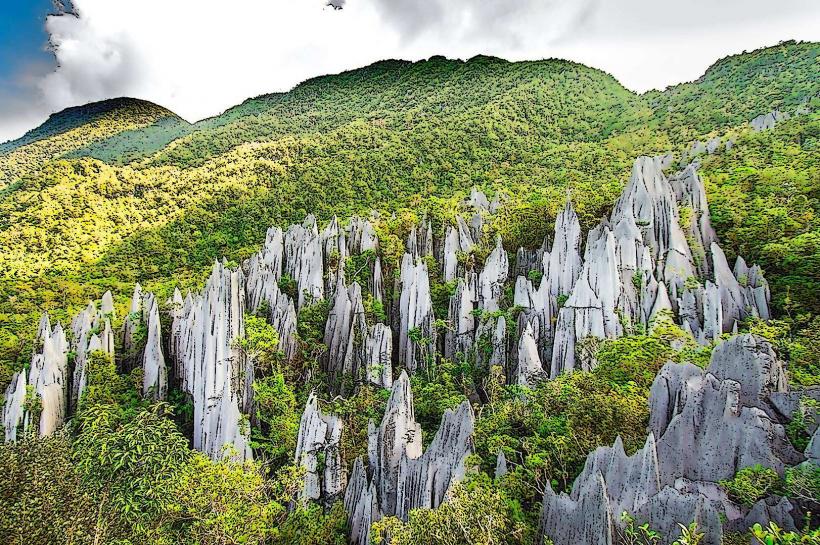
(199, 58)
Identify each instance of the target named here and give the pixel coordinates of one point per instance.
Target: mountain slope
(109, 202)
(76, 127)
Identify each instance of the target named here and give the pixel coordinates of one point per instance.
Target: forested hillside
(105, 196)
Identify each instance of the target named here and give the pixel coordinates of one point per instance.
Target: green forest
(103, 196)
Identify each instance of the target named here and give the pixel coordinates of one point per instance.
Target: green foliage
(443, 386)
(476, 513)
(228, 502)
(134, 460)
(368, 402)
(42, 497)
(632, 534)
(751, 484)
(107, 194)
(803, 483)
(310, 525)
(278, 417)
(260, 343)
(359, 268)
(774, 535)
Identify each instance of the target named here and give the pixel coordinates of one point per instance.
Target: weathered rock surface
(768, 121)
(91, 330)
(211, 364)
(416, 322)
(155, 373)
(303, 259)
(458, 338)
(400, 477)
(319, 438)
(707, 428)
(46, 379)
(492, 278)
(530, 370)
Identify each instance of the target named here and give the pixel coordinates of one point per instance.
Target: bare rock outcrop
(703, 429)
(399, 477)
(211, 364)
(416, 322)
(319, 438)
(768, 121)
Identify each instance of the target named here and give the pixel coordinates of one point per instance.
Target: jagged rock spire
(416, 328)
(703, 429)
(211, 363)
(402, 478)
(320, 435)
(155, 373)
(46, 379)
(564, 264)
(492, 278)
(458, 338)
(530, 369)
(303, 258)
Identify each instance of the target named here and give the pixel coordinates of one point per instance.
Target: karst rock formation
(656, 256)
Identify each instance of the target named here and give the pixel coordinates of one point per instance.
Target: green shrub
(752, 484)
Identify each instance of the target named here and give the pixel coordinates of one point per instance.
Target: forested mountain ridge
(138, 195)
(67, 131)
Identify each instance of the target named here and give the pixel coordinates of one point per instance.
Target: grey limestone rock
(303, 260)
(319, 437)
(500, 465)
(379, 356)
(707, 429)
(492, 333)
(530, 370)
(458, 338)
(155, 373)
(415, 315)
(492, 278)
(400, 477)
(768, 121)
(14, 406)
(85, 341)
(458, 239)
(420, 241)
(563, 266)
(211, 363)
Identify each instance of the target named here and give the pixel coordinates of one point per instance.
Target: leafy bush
(475, 514)
(751, 484)
(42, 496)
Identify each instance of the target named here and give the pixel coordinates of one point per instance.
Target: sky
(201, 57)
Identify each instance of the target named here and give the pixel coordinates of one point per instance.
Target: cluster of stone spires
(704, 427)
(656, 253)
(58, 385)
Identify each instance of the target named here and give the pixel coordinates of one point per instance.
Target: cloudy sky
(200, 57)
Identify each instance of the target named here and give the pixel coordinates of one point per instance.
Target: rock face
(492, 278)
(319, 437)
(143, 322)
(768, 121)
(91, 330)
(529, 363)
(416, 328)
(704, 427)
(640, 264)
(263, 272)
(399, 476)
(211, 364)
(46, 379)
(457, 240)
(459, 337)
(303, 260)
